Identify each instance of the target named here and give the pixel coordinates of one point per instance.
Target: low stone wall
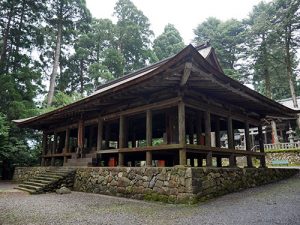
(166, 184)
(24, 173)
(212, 182)
(174, 185)
(293, 156)
(152, 183)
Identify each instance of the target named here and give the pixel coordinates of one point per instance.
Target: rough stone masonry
(170, 184)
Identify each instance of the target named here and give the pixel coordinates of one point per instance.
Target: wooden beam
(261, 146)
(122, 132)
(107, 135)
(209, 159)
(181, 122)
(99, 133)
(186, 74)
(182, 157)
(149, 127)
(207, 122)
(54, 143)
(67, 140)
(191, 130)
(218, 110)
(248, 144)
(121, 160)
(148, 158)
(219, 161)
(44, 146)
(149, 136)
(230, 133)
(66, 148)
(81, 134)
(217, 132)
(199, 127)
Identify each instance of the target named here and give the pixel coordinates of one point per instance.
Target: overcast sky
(184, 14)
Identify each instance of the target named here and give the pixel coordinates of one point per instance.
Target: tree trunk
(18, 36)
(81, 77)
(274, 133)
(289, 70)
(55, 65)
(5, 39)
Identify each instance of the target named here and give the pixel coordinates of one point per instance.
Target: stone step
(28, 186)
(35, 183)
(26, 189)
(47, 175)
(45, 178)
(39, 181)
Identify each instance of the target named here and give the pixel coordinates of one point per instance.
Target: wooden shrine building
(170, 113)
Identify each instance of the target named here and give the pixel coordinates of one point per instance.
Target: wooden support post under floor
(44, 144)
(261, 146)
(99, 134)
(122, 134)
(207, 122)
(248, 144)
(67, 140)
(199, 127)
(230, 138)
(181, 132)
(149, 136)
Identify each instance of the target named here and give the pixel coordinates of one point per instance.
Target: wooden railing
(295, 145)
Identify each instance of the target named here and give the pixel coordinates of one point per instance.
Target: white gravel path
(277, 203)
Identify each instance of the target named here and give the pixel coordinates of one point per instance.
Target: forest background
(53, 52)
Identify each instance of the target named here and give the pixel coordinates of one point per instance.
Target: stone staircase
(88, 160)
(49, 181)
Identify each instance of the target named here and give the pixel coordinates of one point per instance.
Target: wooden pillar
(121, 139)
(199, 128)
(107, 136)
(261, 146)
(44, 146)
(80, 136)
(207, 129)
(200, 162)
(149, 136)
(90, 138)
(66, 148)
(232, 160)
(99, 133)
(191, 130)
(230, 137)
(207, 123)
(219, 161)
(248, 144)
(217, 132)
(67, 140)
(54, 143)
(209, 159)
(181, 132)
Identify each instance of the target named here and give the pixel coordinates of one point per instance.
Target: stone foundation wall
(292, 156)
(212, 182)
(179, 185)
(166, 184)
(152, 183)
(24, 173)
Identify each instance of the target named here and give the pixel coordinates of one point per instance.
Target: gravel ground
(277, 203)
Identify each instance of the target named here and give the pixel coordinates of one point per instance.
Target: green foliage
(168, 43)
(134, 35)
(227, 38)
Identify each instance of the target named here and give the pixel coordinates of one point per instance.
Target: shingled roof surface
(204, 54)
